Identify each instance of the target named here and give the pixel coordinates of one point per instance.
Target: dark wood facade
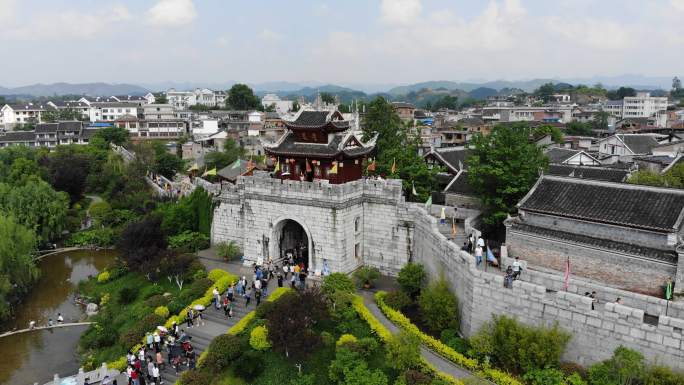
(316, 144)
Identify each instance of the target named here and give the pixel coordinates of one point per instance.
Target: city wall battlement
(368, 222)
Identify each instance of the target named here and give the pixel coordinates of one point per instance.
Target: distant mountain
(91, 89)
(527, 85)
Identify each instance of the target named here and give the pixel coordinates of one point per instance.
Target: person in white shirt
(155, 374)
(60, 319)
(478, 255)
(517, 268)
(480, 242)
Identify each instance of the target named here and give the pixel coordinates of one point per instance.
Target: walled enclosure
(388, 230)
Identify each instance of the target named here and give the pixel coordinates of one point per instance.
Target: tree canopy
(397, 144)
(17, 269)
(241, 97)
(502, 169)
(220, 159)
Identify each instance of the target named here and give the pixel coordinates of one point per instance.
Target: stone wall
(596, 333)
(621, 270)
(347, 224)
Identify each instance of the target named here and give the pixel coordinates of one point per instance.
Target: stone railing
(93, 377)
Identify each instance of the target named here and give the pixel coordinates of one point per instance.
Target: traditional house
(320, 145)
(404, 110)
(452, 159)
(626, 146)
(623, 235)
(559, 155)
(584, 172)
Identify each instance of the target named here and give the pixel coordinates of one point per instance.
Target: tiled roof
(627, 205)
(17, 136)
(319, 119)
(233, 170)
(312, 118)
(661, 255)
(403, 105)
(584, 172)
(560, 155)
(47, 127)
(460, 185)
(454, 158)
(639, 144)
(288, 146)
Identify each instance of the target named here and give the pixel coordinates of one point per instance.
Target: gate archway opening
(292, 240)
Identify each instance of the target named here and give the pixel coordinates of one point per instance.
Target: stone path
(439, 362)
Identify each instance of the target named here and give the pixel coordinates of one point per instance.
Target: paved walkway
(439, 362)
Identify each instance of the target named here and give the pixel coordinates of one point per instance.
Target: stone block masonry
(368, 222)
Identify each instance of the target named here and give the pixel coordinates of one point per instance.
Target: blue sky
(350, 41)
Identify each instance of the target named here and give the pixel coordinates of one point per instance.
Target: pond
(36, 356)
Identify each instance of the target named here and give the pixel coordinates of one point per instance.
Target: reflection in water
(37, 356)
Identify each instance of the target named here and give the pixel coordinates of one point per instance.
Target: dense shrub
(128, 295)
(662, 375)
(519, 348)
(162, 311)
(156, 300)
(258, 338)
(100, 336)
(366, 276)
(545, 377)
(346, 339)
(249, 365)
(415, 377)
(135, 334)
(438, 307)
(195, 290)
(104, 237)
(149, 291)
(222, 351)
(403, 351)
(625, 367)
(228, 250)
(195, 377)
(397, 300)
(337, 282)
(189, 241)
(411, 278)
(451, 338)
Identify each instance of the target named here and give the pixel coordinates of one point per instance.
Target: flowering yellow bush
(103, 277)
(162, 311)
(258, 338)
(346, 339)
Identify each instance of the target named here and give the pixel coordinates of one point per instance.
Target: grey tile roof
(614, 246)
(46, 127)
(560, 155)
(460, 185)
(288, 146)
(233, 170)
(639, 144)
(312, 118)
(621, 204)
(453, 158)
(17, 136)
(585, 172)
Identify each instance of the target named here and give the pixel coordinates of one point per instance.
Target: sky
(345, 41)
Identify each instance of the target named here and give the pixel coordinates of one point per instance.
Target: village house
(558, 155)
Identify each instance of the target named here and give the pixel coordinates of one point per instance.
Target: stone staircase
(215, 324)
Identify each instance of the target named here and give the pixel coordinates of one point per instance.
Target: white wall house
(643, 105)
(203, 96)
(11, 114)
(158, 112)
(111, 111)
(281, 106)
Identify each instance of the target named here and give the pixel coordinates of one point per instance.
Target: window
(119, 110)
(357, 224)
(357, 251)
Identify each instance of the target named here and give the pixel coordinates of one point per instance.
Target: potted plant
(366, 276)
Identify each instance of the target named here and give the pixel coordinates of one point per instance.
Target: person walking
(157, 340)
(217, 298)
(188, 318)
(442, 216)
(226, 302)
(248, 296)
(155, 375)
(230, 293)
(160, 359)
(280, 279)
(517, 268)
(257, 296)
(60, 319)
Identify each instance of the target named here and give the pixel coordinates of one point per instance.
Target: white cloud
(67, 24)
(172, 13)
(678, 5)
(270, 35)
(595, 33)
(400, 12)
(7, 10)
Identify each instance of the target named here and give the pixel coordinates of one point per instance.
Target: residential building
(281, 106)
(625, 145)
(157, 112)
(452, 159)
(87, 112)
(181, 100)
(404, 110)
(111, 111)
(616, 234)
(12, 114)
(152, 129)
(643, 105)
(49, 135)
(558, 155)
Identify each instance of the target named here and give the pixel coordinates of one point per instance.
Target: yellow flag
(277, 166)
(210, 172)
(394, 165)
(333, 170)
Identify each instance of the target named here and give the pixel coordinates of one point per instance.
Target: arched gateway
(290, 237)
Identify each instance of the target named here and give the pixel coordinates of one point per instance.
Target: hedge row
(384, 334)
(495, 375)
(221, 279)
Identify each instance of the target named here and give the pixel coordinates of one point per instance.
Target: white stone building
(281, 106)
(643, 105)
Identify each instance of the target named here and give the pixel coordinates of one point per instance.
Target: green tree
(624, 92)
(411, 278)
(327, 98)
(624, 368)
(36, 206)
(502, 169)
(673, 178)
(160, 98)
(241, 97)
(579, 128)
(396, 146)
(337, 282)
(446, 101)
(17, 269)
(295, 106)
(101, 212)
(116, 135)
(545, 91)
(68, 170)
(439, 307)
(54, 115)
(403, 351)
(555, 132)
(220, 159)
(600, 121)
